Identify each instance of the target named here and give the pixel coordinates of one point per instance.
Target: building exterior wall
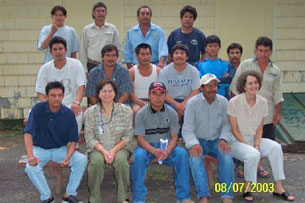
(239, 21)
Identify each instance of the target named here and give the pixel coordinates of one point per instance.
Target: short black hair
(190, 9)
(98, 4)
(57, 40)
(108, 48)
(180, 46)
(235, 46)
(60, 8)
(139, 9)
(265, 41)
(142, 46)
(213, 39)
(53, 85)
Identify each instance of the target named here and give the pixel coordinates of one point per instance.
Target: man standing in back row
(58, 28)
(189, 35)
(96, 35)
(146, 32)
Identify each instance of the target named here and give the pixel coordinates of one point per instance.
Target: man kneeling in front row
(51, 126)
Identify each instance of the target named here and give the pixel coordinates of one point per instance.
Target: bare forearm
(45, 43)
(193, 93)
(71, 149)
(278, 108)
(144, 144)
(123, 98)
(28, 142)
(80, 94)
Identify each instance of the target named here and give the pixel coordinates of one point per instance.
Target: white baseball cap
(205, 79)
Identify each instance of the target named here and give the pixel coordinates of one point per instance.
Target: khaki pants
(96, 169)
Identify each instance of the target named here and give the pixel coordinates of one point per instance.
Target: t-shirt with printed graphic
(72, 75)
(179, 85)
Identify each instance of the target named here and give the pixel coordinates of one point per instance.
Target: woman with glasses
(109, 140)
(246, 115)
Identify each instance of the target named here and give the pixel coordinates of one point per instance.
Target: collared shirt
(93, 39)
(51, 130)
(248, 118)
(153, 125)
(109, 134)
(271, 85)
(205, 121)
(155, 37)
(120, 76)
(66, 32)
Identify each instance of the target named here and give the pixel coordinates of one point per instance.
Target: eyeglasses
(104, 91)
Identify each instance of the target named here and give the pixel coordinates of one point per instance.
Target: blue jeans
(178, 159)
(225, 169)
(78, 164)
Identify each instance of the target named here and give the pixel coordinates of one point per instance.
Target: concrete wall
(233, 20)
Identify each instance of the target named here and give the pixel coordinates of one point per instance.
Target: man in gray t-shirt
(157, 121)
(181, 80)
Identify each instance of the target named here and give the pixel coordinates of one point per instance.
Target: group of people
(132, 109)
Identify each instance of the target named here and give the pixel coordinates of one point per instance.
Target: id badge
(101, 129)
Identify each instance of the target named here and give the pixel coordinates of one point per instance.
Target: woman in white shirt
(246, 115)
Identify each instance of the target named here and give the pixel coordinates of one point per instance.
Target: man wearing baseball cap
(206, 131)
(156, 121)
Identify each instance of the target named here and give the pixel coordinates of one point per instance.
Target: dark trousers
(269, 131)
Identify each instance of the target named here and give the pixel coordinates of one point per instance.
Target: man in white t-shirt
(142, 75)
(66, 70)
(58, 28)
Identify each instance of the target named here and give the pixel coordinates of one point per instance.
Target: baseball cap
(157, 86)
(205, 79)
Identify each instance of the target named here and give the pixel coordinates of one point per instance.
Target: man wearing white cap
(206, 131)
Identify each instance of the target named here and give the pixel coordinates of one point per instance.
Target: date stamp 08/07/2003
(241, 187)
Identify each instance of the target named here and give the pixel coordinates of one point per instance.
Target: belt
(93, 62)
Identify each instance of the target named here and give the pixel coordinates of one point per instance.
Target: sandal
(283, 195)
(247, 194)
(261, 173)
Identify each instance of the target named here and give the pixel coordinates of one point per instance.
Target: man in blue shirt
(57, 28)
(189, 35)
(149, 33)
(206, 130)
(109, 69)
(50, 128)
(214, 65)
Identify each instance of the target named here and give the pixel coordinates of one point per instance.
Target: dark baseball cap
(157, 86)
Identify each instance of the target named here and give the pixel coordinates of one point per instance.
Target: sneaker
(50, 200)
(70, 199)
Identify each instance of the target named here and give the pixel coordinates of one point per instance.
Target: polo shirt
(271, 85)
(51, 130)
(155, 37)
(120, 76)
(153, 125)
(195, 41)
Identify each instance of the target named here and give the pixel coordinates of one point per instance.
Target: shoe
(261, 173)
(283, 195)
(50, 200)
(247, 194)
(70, 199)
